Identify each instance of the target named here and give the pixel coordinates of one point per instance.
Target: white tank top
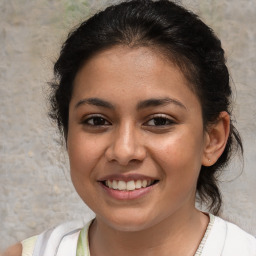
(221, 238)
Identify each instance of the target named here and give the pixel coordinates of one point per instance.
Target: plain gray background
(35, 188)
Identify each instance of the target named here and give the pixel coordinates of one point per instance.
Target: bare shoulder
(15, 250)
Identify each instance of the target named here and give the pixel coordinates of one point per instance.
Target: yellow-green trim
(28, 246)
(83, 241)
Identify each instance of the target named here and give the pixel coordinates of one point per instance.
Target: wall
(35, 188)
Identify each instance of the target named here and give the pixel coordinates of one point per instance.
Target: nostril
(135, 161)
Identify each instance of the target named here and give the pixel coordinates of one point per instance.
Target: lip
(127, 195)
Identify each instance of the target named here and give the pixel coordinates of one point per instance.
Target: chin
(128, 222)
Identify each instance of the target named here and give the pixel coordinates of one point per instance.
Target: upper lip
(126, 177)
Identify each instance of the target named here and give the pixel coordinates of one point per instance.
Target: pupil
(160, 121)
(98, 121)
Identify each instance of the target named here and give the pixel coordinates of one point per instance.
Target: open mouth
(129, 185)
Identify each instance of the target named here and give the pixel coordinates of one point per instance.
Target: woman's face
(135, 138)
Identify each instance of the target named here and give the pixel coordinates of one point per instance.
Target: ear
(216, 139)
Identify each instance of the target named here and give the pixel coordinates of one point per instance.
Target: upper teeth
(129, 185)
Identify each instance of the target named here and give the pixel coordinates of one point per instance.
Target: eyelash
(162, 120)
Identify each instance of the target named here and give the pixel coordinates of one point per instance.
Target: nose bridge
(126, 138)
(126, 144)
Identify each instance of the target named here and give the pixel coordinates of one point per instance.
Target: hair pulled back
(180, 36)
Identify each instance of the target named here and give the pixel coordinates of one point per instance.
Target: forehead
(125, 59)
(136, 72)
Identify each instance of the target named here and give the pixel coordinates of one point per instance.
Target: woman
(142, 97)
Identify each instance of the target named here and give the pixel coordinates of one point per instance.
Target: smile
(129, 185)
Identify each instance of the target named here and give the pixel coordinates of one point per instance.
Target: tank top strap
(68, 245)
(54, 241)
(68, 239)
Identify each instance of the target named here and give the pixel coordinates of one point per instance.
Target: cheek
(83, 152)
(180, 155)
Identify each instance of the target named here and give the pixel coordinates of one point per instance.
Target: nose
(126, 146)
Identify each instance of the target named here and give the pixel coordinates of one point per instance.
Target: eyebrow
(159, 102)
(96, 102)
(153, 102)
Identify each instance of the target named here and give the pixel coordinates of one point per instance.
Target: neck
(167, 237)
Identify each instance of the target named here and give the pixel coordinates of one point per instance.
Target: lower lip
(127, 195)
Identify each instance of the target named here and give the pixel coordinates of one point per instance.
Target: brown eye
(96, 121)
(159, 121)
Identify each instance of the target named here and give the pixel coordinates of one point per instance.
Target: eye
(160, 121)
(96, 121)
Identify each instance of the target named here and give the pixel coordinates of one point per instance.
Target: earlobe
(216, 139)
